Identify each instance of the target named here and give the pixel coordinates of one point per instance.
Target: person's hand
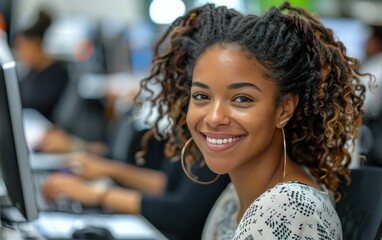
(88, 166)
(70, 186)
(55, 140)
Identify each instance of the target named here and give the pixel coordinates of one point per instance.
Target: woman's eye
(242, 99)
(200, 96)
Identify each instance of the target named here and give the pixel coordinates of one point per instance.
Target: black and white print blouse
(289, 210)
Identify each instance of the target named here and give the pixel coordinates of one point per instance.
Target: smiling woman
(241, 107)
(270, 100)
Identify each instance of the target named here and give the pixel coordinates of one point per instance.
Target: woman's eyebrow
(243, 85)
(199, 84)
(232, 86)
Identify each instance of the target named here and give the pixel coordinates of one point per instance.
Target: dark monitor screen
(14, 162)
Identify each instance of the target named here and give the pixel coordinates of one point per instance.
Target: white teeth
(221, 141)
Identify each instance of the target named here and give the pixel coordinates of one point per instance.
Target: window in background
(352, 32)
(141, 37)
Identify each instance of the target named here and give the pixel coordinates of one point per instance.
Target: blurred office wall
(126, 10)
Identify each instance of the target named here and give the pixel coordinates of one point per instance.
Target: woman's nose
(217, 115)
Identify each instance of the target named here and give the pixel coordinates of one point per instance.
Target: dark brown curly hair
(300, 55)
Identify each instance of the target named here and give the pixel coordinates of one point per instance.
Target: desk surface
(51, 225)
(15, 233)
(54, 225)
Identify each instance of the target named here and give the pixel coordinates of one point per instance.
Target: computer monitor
(14, 153)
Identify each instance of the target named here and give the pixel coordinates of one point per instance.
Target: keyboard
(61, 204)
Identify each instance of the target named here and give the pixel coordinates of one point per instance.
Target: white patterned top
(289, 210)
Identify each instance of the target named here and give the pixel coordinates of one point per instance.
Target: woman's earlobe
(284, 121)
(288, 108)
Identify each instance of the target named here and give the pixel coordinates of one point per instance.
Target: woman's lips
(220, 142)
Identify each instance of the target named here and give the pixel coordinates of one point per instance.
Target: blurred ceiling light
(166, 11)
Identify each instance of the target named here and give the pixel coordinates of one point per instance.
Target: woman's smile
(221, 141)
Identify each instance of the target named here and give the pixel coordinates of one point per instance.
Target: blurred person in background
(374, 42)
(45, 79)
(155, 188)
(57, 140)
(50, 85)
(371, 132)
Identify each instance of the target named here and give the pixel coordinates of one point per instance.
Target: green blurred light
(307, 4)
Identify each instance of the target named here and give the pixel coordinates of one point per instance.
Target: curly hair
(298, 53)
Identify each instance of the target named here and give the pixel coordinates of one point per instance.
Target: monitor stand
(8, 213)
(11, 214)
(13, 223)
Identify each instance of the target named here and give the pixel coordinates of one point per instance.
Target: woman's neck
(257, 176)
(262, 174)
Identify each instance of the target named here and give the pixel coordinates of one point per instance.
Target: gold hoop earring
(285, 158)
(182, 160)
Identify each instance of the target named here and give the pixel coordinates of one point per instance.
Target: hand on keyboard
(70, 186)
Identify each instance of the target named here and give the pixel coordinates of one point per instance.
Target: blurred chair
(122, 134)
(84, 118)
(360, 209)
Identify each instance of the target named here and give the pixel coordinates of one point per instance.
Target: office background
(123, 32)
(147, 17)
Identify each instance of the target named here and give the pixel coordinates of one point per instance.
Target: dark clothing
(180, 213)
(41, 90)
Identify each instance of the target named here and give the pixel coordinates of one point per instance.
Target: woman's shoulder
(298, 199)
(294, 191)
(291, 209)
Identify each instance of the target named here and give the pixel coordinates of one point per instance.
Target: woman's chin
(218, 166)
